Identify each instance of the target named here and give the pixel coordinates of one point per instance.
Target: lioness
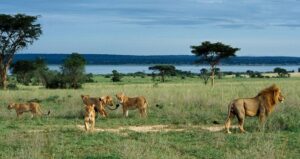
(33, 107)
(89, 117)
(261, 105)
(100, 103)
(133, 103)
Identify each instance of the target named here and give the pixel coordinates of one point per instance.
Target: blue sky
(152, 27)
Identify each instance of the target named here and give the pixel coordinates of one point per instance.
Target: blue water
(107, 69)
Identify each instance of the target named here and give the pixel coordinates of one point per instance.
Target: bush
(23, 70)
(53, 79)
(28, 72)
(255, 74)
(89, 78)
(116, 76)
(238, 75)
(12, 86)
(204, 74)
(71, 74)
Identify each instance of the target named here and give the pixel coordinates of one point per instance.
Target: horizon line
(145, 54)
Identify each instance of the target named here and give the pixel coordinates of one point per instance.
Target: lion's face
(85, 97)
(10, 106)
(120, 97)
(279, 96)
(107, 100)
(90, 108)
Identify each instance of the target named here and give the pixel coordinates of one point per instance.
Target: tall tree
(16, 33)
(163, 70)
(73, 70)
(213, 53)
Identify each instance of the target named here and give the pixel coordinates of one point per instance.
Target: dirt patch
(216, 128)
(36, 131)
(157, 128)
(143, 129)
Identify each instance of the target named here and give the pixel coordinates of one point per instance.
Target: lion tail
(117, 106)
(48, 113)
(145, 103)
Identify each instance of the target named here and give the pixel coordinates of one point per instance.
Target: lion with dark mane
(261, 105)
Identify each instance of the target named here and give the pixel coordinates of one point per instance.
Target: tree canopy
(16, 32)
(281, 72)
(73, 70)
(163, 70)
(213, 53)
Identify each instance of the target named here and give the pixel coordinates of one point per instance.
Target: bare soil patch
(156, 128)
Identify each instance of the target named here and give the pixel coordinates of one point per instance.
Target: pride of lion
(261, 106)
(99, 102)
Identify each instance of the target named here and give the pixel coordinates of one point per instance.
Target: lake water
(107, 69)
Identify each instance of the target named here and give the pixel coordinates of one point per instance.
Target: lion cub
(32, 107)
(89, 117)
(133, 103)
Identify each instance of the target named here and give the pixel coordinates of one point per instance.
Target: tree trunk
(212, 75)
(3, 81)
(3, 71)
(163, 77)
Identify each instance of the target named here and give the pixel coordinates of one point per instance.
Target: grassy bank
(182, 103)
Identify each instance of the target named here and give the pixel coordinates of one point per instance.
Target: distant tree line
(71, 73)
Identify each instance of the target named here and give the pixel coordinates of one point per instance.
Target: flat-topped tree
(163, 70)
(213, 53)
(16, 33)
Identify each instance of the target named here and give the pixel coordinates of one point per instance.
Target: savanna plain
(185, 108)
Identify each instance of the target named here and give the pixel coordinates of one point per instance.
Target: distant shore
(109, 59)
(107, 69)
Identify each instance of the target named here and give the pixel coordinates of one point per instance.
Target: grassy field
(183, 104)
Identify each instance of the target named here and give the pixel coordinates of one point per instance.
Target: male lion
(89, 117)
(33, 107)
(261, 105)
(100, 103)
(133, 103)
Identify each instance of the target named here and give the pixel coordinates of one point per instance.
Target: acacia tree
(163, 70)
(16, 33)
(213, 53)
(281, 72)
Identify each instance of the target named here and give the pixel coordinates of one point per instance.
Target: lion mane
(269, 97)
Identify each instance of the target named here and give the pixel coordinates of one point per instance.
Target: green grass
(185, 103)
